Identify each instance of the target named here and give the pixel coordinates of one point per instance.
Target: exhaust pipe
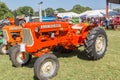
(40, 11)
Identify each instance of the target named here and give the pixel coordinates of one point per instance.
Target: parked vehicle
(14, 31)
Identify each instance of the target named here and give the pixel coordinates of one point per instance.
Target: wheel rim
(48, 68)
(4, 49)
(100, 44)
(22, 58)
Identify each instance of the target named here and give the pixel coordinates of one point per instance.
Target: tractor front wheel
(19, 58)
(46, 67)
(96, 43)
(3, 49)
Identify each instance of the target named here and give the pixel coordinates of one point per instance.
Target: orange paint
(63, 34)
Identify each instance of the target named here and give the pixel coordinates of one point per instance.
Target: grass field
(73, 67)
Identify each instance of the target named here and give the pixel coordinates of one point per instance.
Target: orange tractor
(13, 31)
(40, 38)
(13, 37)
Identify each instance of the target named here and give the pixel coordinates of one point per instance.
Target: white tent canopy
(97, 13)
(69, 14)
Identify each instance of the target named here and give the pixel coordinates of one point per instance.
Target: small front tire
(19, 58)
(46, 67)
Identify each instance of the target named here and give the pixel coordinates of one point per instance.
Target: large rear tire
(96, 43)
(46, 67)
(19, 58)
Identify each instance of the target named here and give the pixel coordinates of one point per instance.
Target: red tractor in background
(40, 38)
(115, 22)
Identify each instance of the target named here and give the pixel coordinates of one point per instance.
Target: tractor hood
(48, 26)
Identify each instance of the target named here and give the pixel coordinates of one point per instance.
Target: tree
(60, 10)
(5, 11)
(25, 10)
(36, 13)
(79, 9)
(49, 11)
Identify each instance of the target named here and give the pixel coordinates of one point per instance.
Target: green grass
(73, 67)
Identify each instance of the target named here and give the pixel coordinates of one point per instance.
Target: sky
(66, 4)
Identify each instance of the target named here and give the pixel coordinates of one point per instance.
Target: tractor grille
(27, 36)
(5, 35)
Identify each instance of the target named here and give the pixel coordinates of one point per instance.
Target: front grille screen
(5, 35)
(27, 36)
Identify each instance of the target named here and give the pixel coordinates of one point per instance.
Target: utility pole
(55, 14)
(40, 11)
(107, 7)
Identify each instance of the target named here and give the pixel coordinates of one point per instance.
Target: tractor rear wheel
(96, 43)
(3, 49)
(46, 67)
(19, 58)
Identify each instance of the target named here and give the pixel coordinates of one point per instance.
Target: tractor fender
(84, 29)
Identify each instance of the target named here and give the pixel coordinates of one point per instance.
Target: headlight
(37, 29)
(22, 47)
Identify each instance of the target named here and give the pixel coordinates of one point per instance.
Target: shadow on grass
(65, 54)
(31, 63)
(35, 78)
(78, 53)
(82, 55)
